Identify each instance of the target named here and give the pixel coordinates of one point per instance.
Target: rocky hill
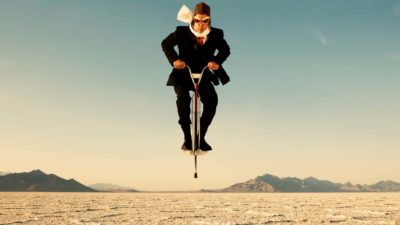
(36, 180)
(271, 183)
(105, 187)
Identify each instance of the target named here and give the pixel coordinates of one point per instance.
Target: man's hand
(179, 64)
(213, 66)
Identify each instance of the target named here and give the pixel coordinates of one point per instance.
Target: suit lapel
(192, 36)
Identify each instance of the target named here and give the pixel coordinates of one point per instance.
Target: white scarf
(198, 34)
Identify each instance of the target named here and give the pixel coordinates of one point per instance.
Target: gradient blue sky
(314, 92)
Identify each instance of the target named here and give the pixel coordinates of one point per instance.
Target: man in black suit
(197, 46)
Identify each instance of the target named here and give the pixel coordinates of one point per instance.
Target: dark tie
(200, 40)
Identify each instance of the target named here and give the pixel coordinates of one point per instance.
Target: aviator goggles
(205, 20)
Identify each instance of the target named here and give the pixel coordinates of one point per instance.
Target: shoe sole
(191, 152)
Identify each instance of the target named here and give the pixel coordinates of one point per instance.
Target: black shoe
(204, 146)
(187, 146)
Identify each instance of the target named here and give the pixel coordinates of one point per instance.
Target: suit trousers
(208, 97)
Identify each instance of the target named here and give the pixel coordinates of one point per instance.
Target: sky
(314, 91)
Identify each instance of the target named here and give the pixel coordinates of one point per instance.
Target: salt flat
(200, 208)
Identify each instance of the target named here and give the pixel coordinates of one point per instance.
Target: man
(197, 46)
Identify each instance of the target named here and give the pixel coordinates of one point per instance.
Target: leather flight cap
(202, 8)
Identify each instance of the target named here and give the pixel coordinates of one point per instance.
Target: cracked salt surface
(200, 208)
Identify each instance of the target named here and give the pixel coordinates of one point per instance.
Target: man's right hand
(179, 64)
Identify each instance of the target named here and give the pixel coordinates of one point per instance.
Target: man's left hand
(213, 66)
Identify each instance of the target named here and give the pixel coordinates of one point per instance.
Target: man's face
(201, 22)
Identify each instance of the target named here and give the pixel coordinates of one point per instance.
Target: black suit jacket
(196, 56)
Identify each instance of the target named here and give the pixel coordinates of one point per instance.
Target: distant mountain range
(271, 183)
(111, 188)
(36, 180)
